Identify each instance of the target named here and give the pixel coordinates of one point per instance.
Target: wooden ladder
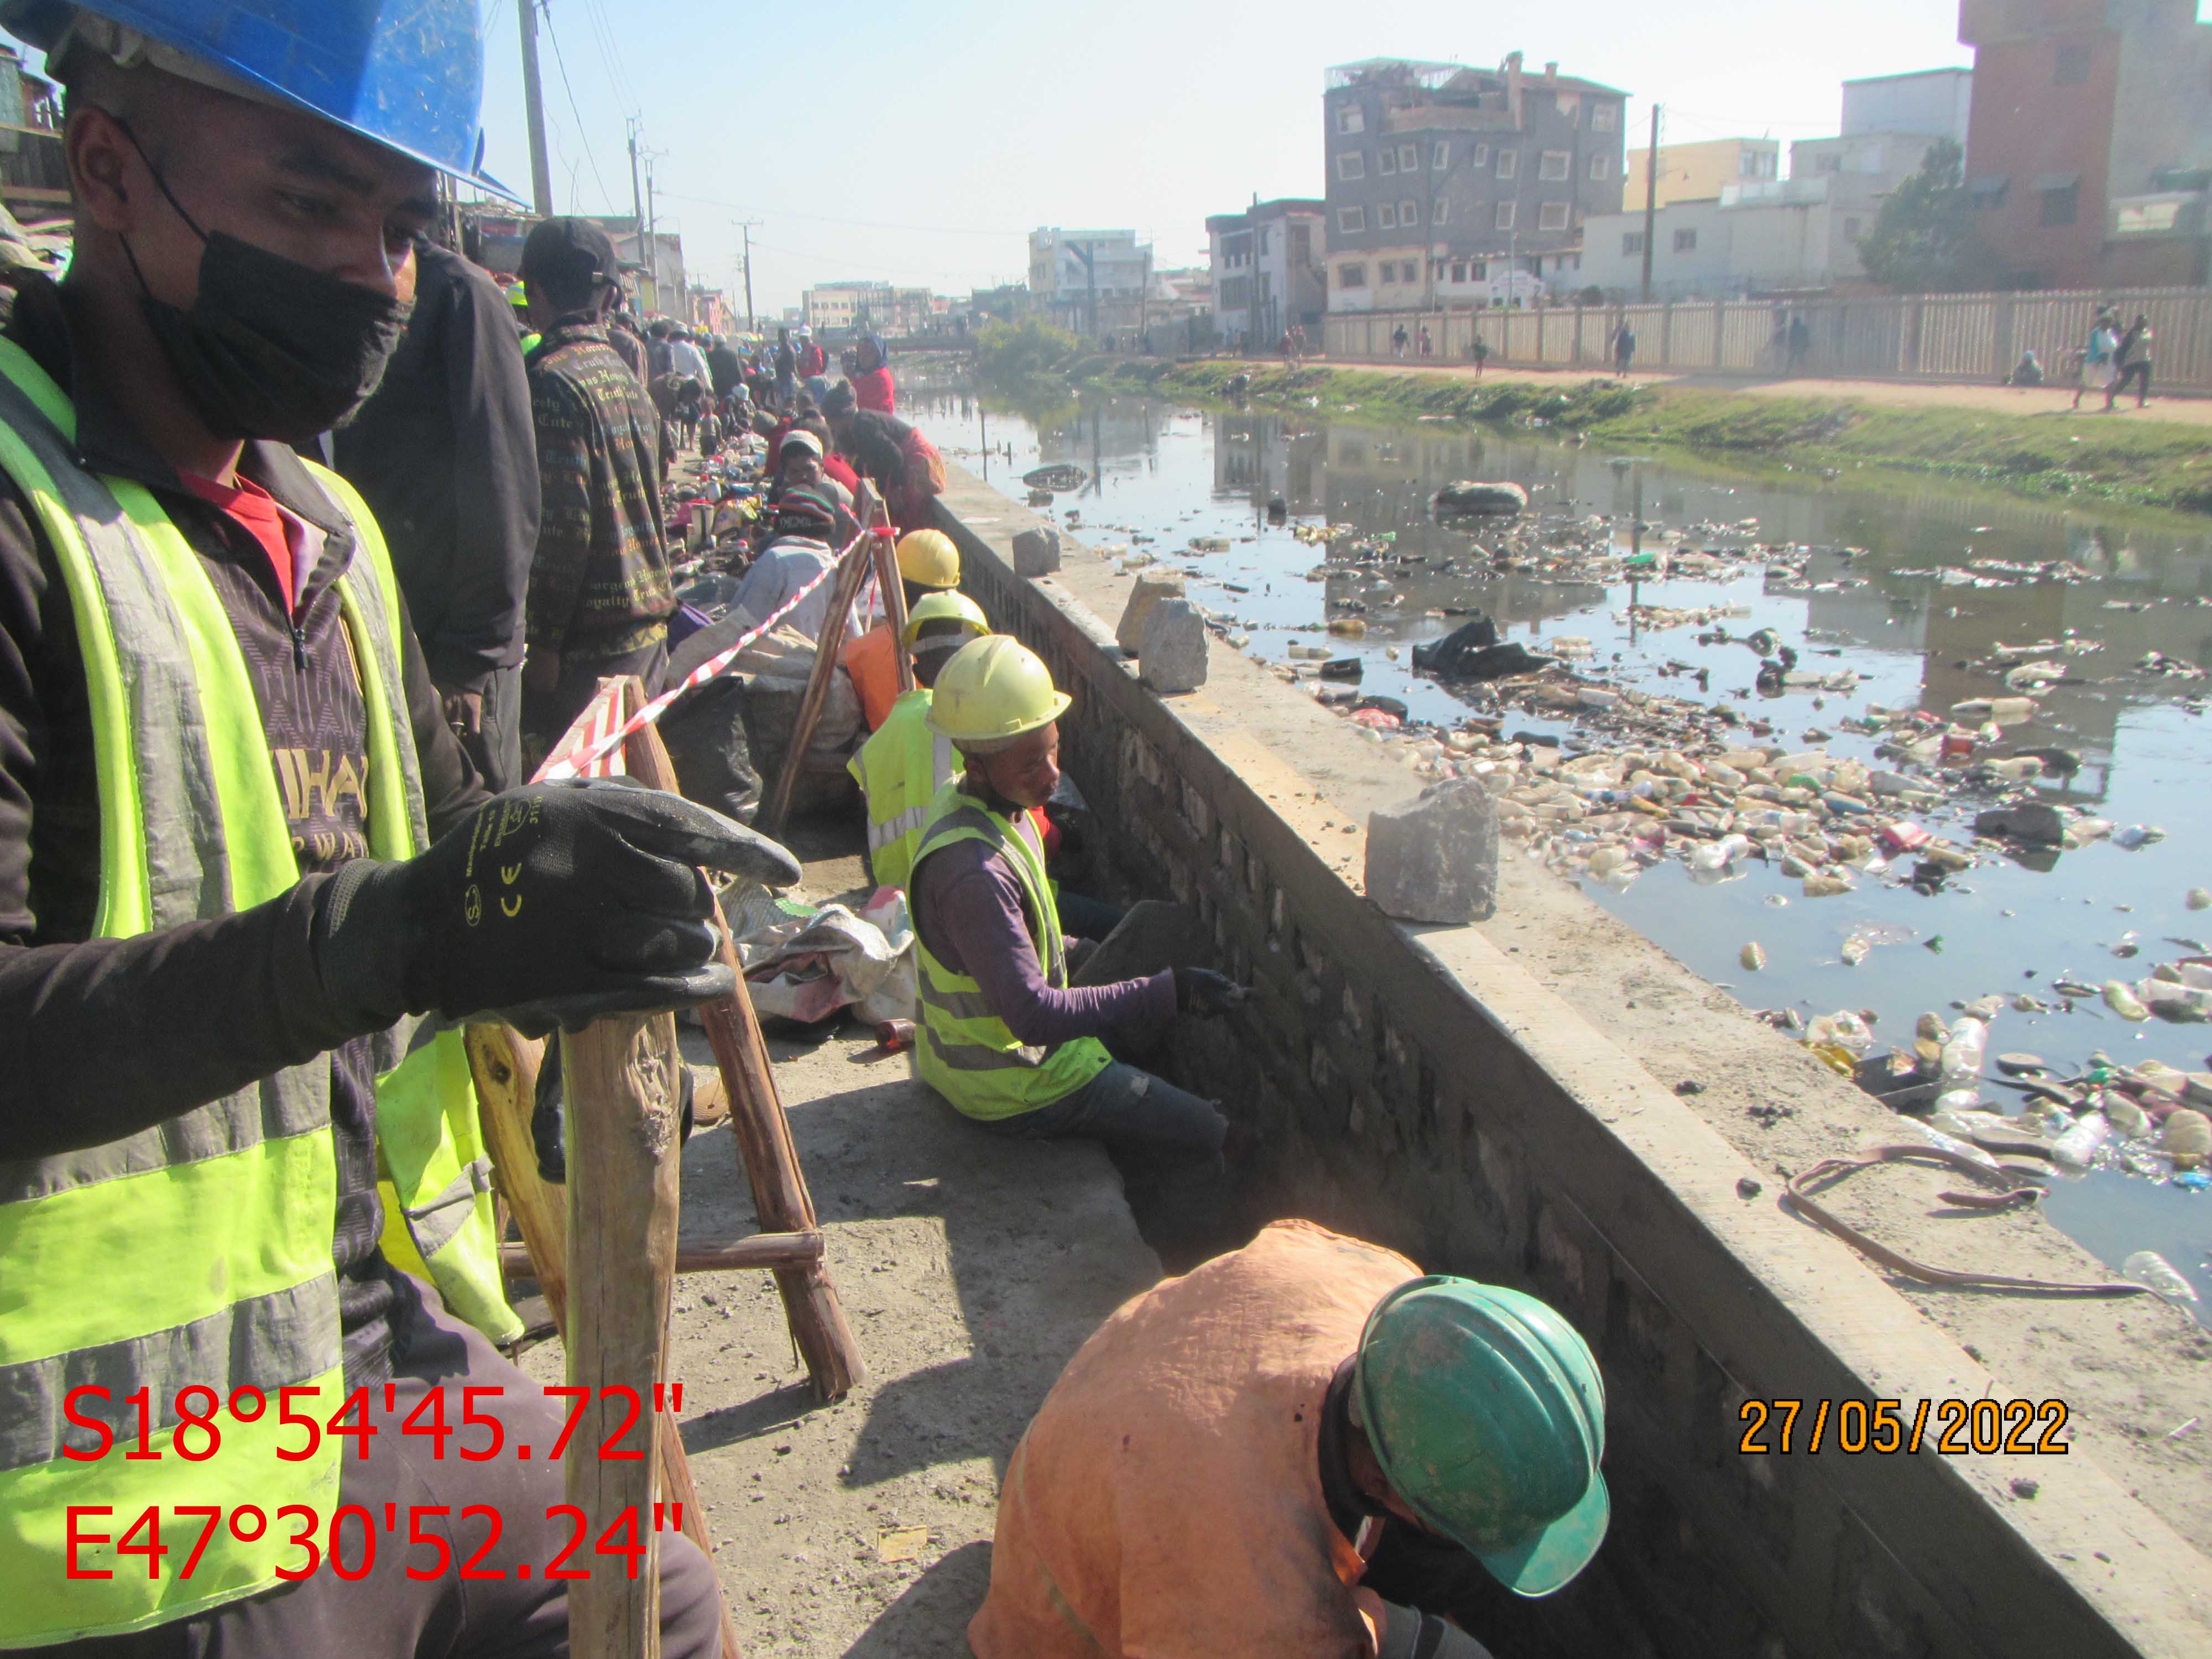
(604, 1251)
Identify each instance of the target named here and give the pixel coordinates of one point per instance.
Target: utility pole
(1651, 201)
(533, 104)
(1086, 253)
(637, 212)
(652, 237)
(744, 227)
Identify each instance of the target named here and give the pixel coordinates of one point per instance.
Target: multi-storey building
(842, 306)
(1445, 180)
(2089, 142)
(1090, 282)
(1270, 265)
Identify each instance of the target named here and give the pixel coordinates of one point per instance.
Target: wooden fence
(1935, 337)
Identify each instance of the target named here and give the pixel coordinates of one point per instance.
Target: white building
(1090, 282)
(1785, 237)
(1930, 101)
(1270, 267)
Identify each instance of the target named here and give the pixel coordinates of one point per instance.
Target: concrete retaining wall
(1418, 1088)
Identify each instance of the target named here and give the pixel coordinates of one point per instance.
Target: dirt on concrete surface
(2132, 1371)
(970, 1269)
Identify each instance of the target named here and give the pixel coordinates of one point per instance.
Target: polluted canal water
(1780, 706)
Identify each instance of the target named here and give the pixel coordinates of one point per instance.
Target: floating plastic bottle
(1958, 1100)
(1963, 1049)
(2150, 1268)
(2078, 1147)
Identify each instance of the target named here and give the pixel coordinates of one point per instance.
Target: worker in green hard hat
(1220, 1464)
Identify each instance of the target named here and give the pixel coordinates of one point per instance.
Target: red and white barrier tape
(589, 748)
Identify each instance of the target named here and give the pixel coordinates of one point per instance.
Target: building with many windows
(1270, 267)
(1447, 185)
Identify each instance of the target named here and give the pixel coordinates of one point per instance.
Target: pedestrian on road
(2097, 366)
(1397, 339)
(599, 592)
(446, 457)
(724, 367)
(1624, 349)
(1428, 345)
(1800, 344)
(786, 370)
(2131, 361)
(240, 1158)
(1480, 352)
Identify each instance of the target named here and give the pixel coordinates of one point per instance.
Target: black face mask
(271, 347)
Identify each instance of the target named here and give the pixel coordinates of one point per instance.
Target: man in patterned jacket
(600, 592)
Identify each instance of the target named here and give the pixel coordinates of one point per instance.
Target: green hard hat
(1486, 1410)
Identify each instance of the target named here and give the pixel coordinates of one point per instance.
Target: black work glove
(555, 904)
(1203, 991)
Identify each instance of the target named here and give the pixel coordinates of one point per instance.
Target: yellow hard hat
(928, 558)
(943, 607)
(995, 688)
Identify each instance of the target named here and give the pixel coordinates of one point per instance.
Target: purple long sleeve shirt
(968, 909)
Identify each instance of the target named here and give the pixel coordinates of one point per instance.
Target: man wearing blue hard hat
(1220, 1462)
(249, 885)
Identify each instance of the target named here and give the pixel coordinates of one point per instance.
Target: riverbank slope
(2156, 458)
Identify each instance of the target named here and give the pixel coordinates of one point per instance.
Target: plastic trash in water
(2198, 898)
(2078, 1147)
(2150, 1269)
(1753, 957)
(1958, 1100)
(1964, 1050)
(1844, 1030)
(2121, 999)
(1965, 1149)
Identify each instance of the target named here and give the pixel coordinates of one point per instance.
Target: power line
(583, 133)
(603, 30)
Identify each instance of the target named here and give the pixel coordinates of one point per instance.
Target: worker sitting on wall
(928, 563)
(901, 769)
(241, 855)
(1218, 1465)
(1002, 1035)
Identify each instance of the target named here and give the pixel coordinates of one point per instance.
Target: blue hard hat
(409, 76)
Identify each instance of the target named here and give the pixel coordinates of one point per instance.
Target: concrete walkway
(2182, 409)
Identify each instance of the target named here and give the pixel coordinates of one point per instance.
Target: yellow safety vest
(963, 1049)
(198, 1253)
(900, 769)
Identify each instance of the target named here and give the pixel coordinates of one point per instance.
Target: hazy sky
(919, 143)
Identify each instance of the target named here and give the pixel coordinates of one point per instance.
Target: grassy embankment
(2130, 462)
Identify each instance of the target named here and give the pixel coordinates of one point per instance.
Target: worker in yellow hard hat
(928, 563)
(901, 769)
(1002, 1035)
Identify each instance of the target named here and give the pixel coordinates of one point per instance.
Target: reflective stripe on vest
(900, 769)
(196, 1253)
(963, 1049)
